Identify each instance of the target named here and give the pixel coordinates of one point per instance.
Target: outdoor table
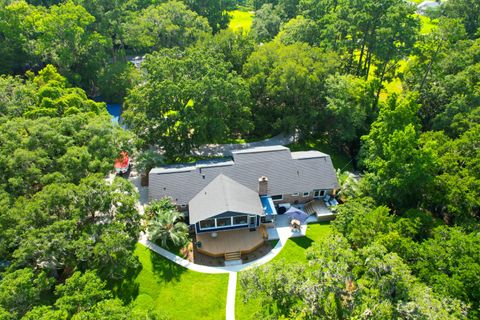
(295, 222)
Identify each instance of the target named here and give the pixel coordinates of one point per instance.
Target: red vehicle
(122, 164)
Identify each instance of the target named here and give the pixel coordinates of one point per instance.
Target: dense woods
(395, 91)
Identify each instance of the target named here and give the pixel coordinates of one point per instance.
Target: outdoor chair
(330, 201)
(326, 199)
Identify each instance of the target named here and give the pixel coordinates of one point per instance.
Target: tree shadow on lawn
(127, 289)
(306, 242)
(164, 269)
(303, 242)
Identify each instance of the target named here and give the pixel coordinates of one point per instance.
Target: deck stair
(309, 207)
(235, 255)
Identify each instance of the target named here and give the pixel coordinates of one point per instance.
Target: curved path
(282, 233)
(231, 270)
(206, 269)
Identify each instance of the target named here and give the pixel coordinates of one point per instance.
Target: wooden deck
(319, 208)
(239, 240)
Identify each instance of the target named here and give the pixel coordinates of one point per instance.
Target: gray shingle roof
(287, 173)
(223, 195)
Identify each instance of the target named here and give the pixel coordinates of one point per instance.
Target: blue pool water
(267, 204)
(115, 110)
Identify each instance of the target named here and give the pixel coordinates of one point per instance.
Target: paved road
(214, 150)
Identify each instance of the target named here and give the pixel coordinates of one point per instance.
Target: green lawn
(240, 20)
(174, 291)
(293, 251)
(340, 160)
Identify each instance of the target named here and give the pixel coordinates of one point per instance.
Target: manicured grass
(240, 20)
(340, 160)
(177, 292)
(293, 251)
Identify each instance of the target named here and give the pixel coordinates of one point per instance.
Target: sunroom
(227, 217)
(225, 204)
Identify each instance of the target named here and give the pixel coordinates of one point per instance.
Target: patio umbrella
(297, 214)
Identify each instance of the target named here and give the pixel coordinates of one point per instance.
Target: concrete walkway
(176, 259)
(217, 150)
(232, 289)
(282, 235)
(135, 179)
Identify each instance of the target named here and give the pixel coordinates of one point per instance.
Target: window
(295, 194)
(206, 224)
(277, 197)
(240, 220)
(266, 219)
(306, 194)
(319, 193)
(224, 222)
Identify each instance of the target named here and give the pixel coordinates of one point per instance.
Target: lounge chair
(326, 199)
(330, 201)
(333, 202)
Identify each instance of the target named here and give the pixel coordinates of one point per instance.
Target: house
(293, 177)
(240, 193)
(426, 6)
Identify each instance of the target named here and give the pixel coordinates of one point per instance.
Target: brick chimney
(262, 186)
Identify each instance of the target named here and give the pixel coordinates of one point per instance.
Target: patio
(283, 229)
(224, 242)
(319, 208)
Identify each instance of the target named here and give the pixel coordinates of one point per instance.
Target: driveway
(218, 150)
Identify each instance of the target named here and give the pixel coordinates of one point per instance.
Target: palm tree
(349, 185)
(166, 224)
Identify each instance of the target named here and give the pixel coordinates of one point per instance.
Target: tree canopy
(189, 98)
(60, 216)
(379, 84)
(169, 24)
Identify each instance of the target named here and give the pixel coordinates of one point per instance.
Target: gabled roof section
(254, 155)
(223, 195)
(287, 173)
(308, 155)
